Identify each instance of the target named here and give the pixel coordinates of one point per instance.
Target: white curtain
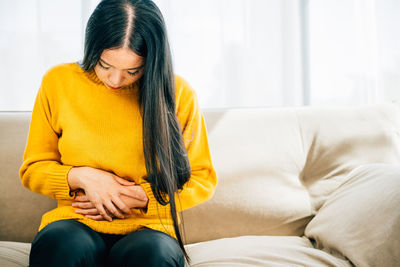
(344, 52)
(235, 53)
(34, 36)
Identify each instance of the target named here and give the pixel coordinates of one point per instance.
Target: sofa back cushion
(277, 166)
(360, 220)
(20, 209)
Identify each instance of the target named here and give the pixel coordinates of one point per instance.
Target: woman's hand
(105, 191)
(88, 209)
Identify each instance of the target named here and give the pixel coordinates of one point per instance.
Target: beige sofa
(299, 186)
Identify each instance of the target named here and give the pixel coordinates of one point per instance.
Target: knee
(66, 241)
(67, 234)
(160, 248)
(149, 248)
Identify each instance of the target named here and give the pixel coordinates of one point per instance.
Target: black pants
(72, 243)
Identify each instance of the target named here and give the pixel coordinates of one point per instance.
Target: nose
(115, 78)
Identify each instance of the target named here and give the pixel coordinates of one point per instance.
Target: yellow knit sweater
(78, 121)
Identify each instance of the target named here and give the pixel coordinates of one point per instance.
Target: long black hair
(139, 25)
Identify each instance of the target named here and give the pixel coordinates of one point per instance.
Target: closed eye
(104, 67)
(130, 73)
(133, 73)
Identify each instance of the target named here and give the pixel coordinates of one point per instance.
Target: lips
(114, 88)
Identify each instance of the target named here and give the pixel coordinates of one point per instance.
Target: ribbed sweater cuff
(58, 181)
(151, 208)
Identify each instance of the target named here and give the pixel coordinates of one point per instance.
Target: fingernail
(77, 211)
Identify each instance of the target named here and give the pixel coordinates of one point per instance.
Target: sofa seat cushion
(260, 251)
(14, 254)
(236, 251)
(361, 219)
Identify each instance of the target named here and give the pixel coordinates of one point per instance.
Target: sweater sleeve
(41, 170)
(203, 180)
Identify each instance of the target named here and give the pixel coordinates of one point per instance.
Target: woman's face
(119, 67)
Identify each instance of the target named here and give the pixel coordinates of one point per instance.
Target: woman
(121, 143)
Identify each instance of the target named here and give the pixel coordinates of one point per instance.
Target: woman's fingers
(133, 202)
(135, 192)
(87, 211)
(93, 214)
(123, 181)
(106, 193)
(83, 205)
(121, 205)
(82, 198)
(100, 208)
(88, 206)
(113, 210)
